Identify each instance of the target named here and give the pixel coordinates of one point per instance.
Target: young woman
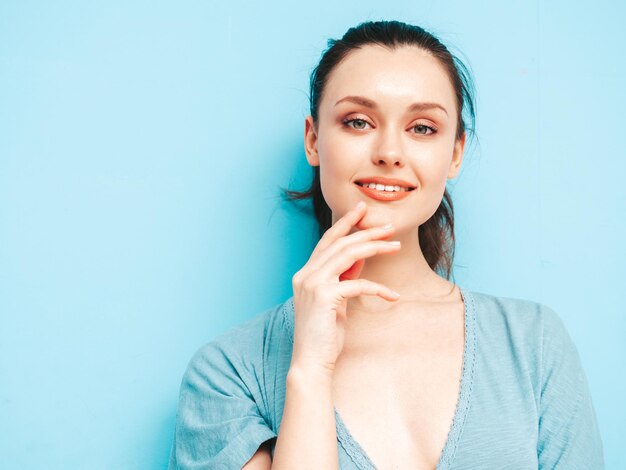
(378, 360)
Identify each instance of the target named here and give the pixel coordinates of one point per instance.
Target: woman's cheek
(330, 186)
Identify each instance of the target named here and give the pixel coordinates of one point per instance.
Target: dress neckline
(354, 449)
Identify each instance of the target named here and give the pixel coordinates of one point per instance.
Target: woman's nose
(389, 151)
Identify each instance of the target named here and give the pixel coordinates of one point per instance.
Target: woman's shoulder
(255, 337)
(244, 361)
(514, 312)
(528, 368)
(226, 401)
(523, 324)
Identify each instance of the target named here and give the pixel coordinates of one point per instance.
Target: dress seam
(457, 428)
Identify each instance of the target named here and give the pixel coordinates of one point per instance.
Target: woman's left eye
(423, 129)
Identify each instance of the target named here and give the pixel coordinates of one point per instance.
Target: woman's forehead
(389, 76)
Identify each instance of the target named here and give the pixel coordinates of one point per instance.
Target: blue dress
(524, 400)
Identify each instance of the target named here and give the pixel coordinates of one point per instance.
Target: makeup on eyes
(350, 121)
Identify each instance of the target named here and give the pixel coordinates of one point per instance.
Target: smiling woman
(378, 360)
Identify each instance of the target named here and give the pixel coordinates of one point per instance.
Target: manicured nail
(360, 205)
(395, 294)
(387, 227)
(394, 242)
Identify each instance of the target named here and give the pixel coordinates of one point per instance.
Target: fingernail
(388, 226)
(395, 294)
(394, 242)
(360, 205)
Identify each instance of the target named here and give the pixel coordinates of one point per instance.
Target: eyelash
(347, 122)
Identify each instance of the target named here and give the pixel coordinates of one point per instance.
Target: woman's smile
(380, 193)
(384, 189)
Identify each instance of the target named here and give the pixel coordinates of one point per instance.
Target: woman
(378, 361)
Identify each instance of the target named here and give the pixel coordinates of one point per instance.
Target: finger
(346, 258)
(334, 249)
(343, 226)
(356, 287)
(353, 271)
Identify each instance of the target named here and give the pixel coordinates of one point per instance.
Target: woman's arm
(569, 437)
(262, 459)
(307, 438)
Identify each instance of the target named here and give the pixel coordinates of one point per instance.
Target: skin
(418, 146)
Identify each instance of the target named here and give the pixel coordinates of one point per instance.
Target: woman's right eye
(356, 123)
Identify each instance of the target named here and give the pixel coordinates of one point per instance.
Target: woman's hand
(325, 283)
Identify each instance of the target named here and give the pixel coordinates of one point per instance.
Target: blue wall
(142, 145)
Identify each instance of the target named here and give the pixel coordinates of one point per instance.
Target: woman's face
(386, 114)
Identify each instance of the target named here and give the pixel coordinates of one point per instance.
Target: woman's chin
(373, 219)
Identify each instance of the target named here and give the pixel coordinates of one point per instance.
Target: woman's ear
(310, 142)
(457, 156)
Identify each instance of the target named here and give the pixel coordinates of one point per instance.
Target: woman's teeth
(382, 187)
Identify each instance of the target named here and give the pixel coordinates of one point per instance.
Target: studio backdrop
(143, 146)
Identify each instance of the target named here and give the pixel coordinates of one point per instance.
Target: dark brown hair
(436, 235)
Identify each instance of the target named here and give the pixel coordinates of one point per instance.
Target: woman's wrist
(309, 375)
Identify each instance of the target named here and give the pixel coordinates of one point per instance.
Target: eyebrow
(370, 104)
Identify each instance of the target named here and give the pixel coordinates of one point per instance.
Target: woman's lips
(383, 195)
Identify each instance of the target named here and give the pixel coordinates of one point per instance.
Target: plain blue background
(142, 146)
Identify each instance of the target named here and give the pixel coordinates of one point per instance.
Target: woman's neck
(408, 273)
